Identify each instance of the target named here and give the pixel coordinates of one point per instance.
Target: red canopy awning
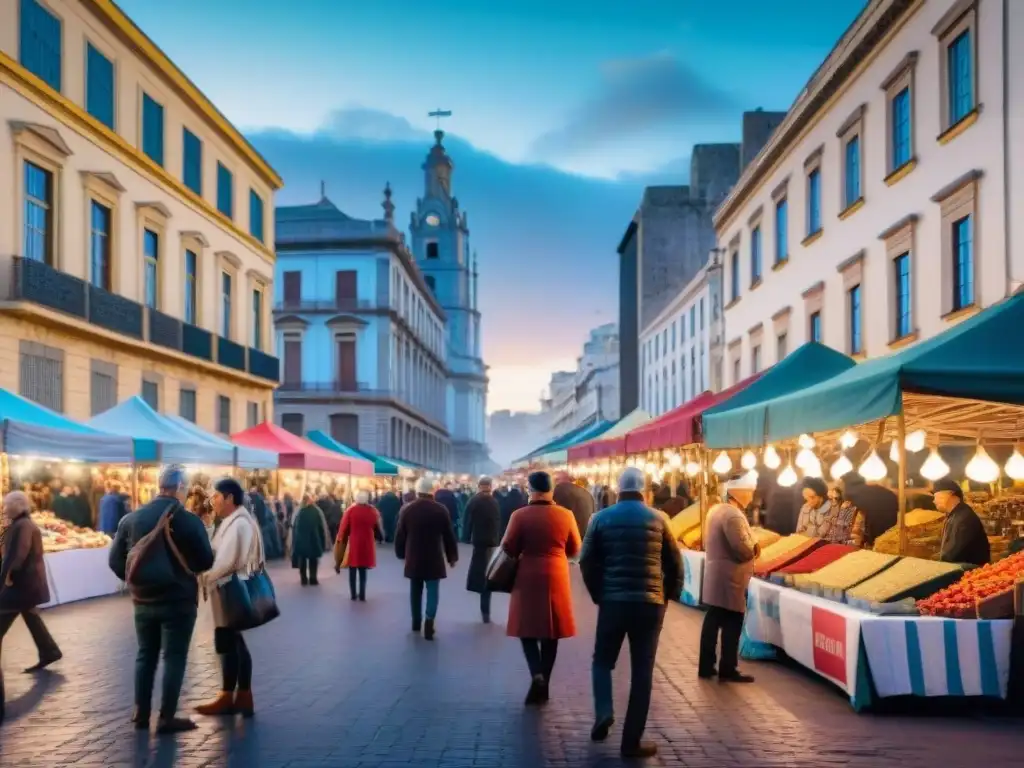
(298, 453)
(680, 426)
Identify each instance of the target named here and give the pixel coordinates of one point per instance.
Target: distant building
(758, 127)
(629, 321)
(362, 336)
(591, 392)
(513, 434)
(440, 242)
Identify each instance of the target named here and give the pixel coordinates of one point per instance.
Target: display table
(693, 577)
(79, 574)
(867, 655)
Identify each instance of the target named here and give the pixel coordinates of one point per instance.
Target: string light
(848, 439)
(981, 468)
(915, 441)
(894, 452)
(692, 468)
(873, 469)
(748, 460)
(805, 441)
(812, 468)
(805, 458)
(771, 458)
(841, 467)
(1015, 466)
(787, 477)
(675, 461)
(723, 464)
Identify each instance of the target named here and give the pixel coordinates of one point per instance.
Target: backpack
(149, 562)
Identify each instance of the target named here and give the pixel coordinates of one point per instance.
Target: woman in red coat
(542, 536)
(361, 528)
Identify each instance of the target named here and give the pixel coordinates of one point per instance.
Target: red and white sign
(829, 638)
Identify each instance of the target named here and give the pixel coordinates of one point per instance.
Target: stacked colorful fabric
(815, 560)
(786, 550)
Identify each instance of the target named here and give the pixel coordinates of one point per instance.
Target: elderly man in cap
(963, 536)
(425, 539)
(167, 547)
(483, 531)
(632, 567)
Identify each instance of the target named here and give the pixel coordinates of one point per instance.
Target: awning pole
(901, 437)
(705, 480)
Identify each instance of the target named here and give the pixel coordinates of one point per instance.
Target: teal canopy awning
(740, 421)
(554, 445)
(981, 358)
(380, 466)
(559, 453)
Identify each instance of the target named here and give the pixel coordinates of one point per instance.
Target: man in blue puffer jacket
(632, 567)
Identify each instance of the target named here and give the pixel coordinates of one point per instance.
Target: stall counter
(79, 574)
(693, 577)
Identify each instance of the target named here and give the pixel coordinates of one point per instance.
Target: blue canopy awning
(157, 438)
(381, 466)
(245, 457)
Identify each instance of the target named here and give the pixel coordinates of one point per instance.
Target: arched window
(431, 250)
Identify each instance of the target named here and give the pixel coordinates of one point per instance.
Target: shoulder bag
(248, 600)
(141, 570)
(501, 572)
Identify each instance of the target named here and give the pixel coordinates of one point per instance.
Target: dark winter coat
(509, 503)
(578, 501)
(483, 531)
(332, 514)
(447, 499)
(23, 583)
(425, 539)
(389, 507)
(964, 539)
(879, 504)
(309, 535)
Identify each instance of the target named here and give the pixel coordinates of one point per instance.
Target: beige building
(136, 226)
(881, 211)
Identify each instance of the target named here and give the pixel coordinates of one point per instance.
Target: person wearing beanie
(632, 568)
(963, 535)
(356, 546)
(818, 516)
(238, 550)
(425, 539)
(165, 590)
(483, 531)
(542, 536)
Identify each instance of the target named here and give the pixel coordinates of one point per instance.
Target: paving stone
(346, 685)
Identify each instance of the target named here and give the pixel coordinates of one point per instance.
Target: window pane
(151, 254)
(256, 216)
(813, 202)
(961, 85)
(152, 129)
(191, 294)
(855, 329)
(99, 87)
(755, 256)
(187, 404)
(734, 279)
(852, 171)
(40, 43)
(903, 296)
(781, 231)
(225, 305)
(38, 235)
(257, 319)
(815, 330)
(192, 170)
(99, 246)
(901, 144)
(225, 192)
(963, 263)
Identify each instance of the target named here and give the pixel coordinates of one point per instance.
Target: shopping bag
(501, 572)
(249, 601)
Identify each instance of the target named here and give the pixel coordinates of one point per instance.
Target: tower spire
(387, 205)
(323, 189)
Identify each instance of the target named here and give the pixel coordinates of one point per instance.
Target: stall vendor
(963, 536)
(818, 515)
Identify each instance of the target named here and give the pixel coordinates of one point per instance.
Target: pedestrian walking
(730, 551)
(332, 510)
(631, 566)
(23, 585)
(389, 506)
(310, 538)
(425, 539)
(356, 545)
(483, 531)
(542, 536)
(577, 500)
(509, 503)
(446, 498)
(237, 550)
(157, 552)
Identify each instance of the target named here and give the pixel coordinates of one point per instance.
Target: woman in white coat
(237, 549)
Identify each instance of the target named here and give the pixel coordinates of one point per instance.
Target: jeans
(416, 598)
(641, 623)
(235, 661)
(166, 626)
(730, 624)
(352, 574)
(485, 603)
(311, 563)
(540, 656)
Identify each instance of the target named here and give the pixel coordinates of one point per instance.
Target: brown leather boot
(224, 704)
(243, 703)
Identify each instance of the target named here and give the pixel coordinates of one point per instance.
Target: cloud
(636, 97)
(369, 125)
(546, 239)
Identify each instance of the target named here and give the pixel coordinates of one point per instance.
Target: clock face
(432, 220)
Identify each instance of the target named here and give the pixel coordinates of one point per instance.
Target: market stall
(245, 457)
(895, 620)
(611, 443)
(571, 437)
(557, 455)
(381, 466)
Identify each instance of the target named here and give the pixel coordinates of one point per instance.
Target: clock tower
(440, 242)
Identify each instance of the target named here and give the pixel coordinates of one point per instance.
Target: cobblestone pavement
(346, 684)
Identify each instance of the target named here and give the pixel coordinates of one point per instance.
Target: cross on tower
(438, 114)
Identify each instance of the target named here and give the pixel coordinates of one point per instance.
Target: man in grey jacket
(632, 567)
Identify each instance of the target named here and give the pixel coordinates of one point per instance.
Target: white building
(677, 360)
(591, 392)
(882, 209)
(362, 336)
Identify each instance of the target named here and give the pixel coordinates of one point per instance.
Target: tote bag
(501, 572)
(249, 602)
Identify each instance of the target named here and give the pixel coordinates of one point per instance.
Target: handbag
(501, 572)
(249, 602)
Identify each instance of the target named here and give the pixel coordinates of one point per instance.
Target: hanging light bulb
(787, 477)
(749, 480)
(675, 461)
(748, 460)
(1015, 466)
(873, 469)
(915, 441)
(812, 468)
(805, 457)
(894, 452)
(842, 466)
(771, 458)
(692, 468)
(805, 441)
(651, 468)
(981, 468)
(723, 464)
(848, 440)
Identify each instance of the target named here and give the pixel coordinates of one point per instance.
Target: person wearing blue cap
(158, 551)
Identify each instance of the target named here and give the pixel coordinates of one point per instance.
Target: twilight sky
(563, 112)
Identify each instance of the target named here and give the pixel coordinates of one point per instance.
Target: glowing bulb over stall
(873, 469)
(841, 467)
(981, 468)
(787, 477)
(805, 441)
(771, 458)
(1015, 466)
(722, 464)
(748, 460)
(848, 439)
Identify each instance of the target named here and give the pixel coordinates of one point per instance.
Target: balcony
(336, 387)
(326, 305)
(37, 283)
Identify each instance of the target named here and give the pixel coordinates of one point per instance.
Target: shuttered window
(192, 161)
(256, 216)
(293, 422)
(41, 375)
(151, 394)
(40, 43)
(225, 192)
(224, 415)
(187, 404)
(99, 86)
(253, 414)
(103, 387)
(152, 129)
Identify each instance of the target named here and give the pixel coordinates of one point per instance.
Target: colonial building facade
(134, 226)
(362, 336)
(590, 393)
(440, 241)
(882, 210)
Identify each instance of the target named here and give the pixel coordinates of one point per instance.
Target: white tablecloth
(693, 576)
(78, 574)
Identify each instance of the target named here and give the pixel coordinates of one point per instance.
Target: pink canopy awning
(298, 453)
